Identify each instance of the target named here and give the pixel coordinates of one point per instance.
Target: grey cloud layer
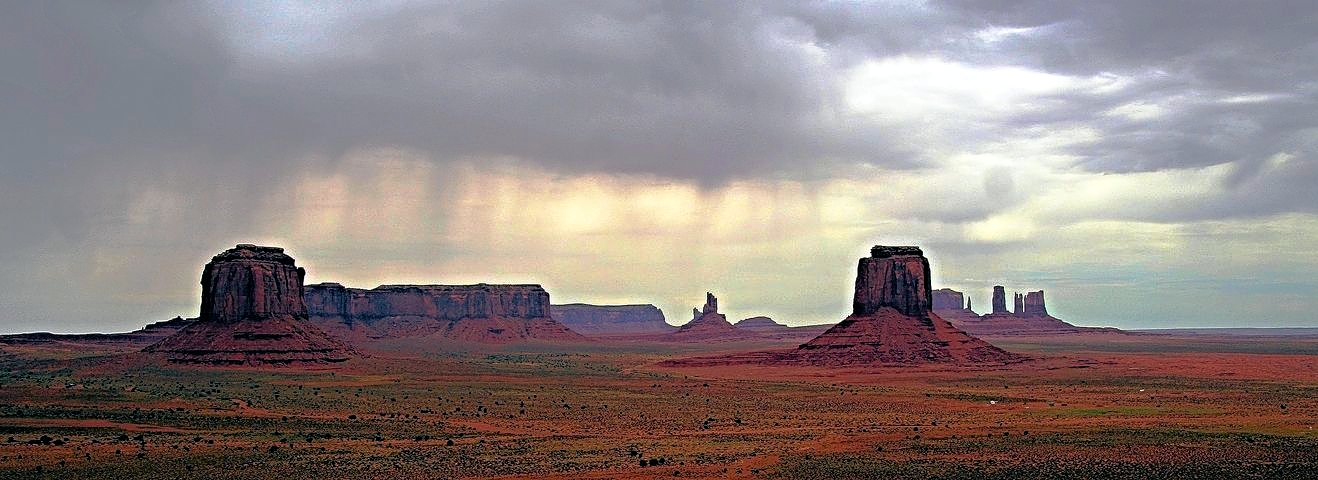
(225, 101)
(701, 90)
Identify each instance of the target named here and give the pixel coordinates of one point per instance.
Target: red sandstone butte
(252, 312)
(892, 321)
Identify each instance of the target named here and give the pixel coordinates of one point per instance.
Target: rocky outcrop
(252, 312)
(707, 325)
(607, 320)
(894, 277)
(1033, 306)
(892, 320)
(1031, 318)
(999, 300)
(480, 313)
(711, 304)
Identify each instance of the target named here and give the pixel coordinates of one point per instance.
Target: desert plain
(1134, 405)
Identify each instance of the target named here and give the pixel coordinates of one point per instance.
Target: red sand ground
(1087, 406)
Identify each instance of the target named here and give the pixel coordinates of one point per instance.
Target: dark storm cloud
(98, 101)
(224, 102)
(706, 90)
(702, 90)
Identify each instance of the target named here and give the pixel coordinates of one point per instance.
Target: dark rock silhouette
(480, 313)
(892, 321)
(605, 320)
(999, 300)
(252, 312)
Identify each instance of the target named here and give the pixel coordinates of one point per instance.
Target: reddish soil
(1088, 405)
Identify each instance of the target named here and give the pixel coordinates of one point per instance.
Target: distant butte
(708, 325)
(612, 320)
(1030, 317)
(892, 320)
(252, 313)
(136, 339)
(761, 324)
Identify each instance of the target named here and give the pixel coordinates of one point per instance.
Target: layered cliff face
(249, 281)
(605, 320)
(892, 320)
(442, 302)
(252, 312)
(894, 277)
(479, 313)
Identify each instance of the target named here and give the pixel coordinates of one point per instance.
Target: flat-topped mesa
(443, 302)
(948, 299)
(612, 319)
(999, 300)
(896, 277)
(483, 313)
(252, 312)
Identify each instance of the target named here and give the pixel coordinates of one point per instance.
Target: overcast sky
(1147, 164)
